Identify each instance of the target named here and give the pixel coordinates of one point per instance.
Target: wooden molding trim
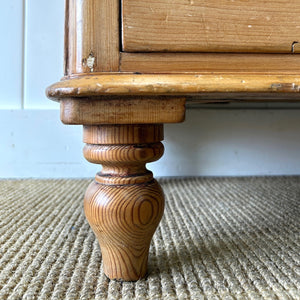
(222, 63)
(132, 110)
(175, 84)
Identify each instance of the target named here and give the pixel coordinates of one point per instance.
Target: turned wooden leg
(124, 204)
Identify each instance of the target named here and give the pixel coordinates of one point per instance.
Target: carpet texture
(220, 238)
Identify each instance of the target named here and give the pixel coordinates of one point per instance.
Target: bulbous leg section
(124, 219)
(124, 204)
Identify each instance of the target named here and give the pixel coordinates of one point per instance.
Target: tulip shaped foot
(124, 204)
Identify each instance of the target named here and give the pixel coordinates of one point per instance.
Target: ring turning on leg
(124, 204)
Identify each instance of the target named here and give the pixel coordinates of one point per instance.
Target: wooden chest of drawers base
(122, 99)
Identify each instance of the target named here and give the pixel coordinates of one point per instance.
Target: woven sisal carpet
(220, 238)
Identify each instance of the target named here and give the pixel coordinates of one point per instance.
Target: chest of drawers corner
(131, 65)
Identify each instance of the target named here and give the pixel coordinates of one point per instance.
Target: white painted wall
(232, 140)
(11, 53)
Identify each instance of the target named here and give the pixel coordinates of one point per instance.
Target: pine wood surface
(124, 204)
(172, 84)
(123, 134)
(122, 110)
(210, 25)
(205, 63)
(91, 29)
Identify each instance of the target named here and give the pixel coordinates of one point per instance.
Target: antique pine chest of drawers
(131, 66)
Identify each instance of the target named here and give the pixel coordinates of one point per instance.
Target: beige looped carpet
(220, 238)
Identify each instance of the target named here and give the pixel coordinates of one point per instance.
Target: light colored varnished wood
(129, 110)
(122, 134)
(210, 25)
(204, 63)
(91, 31)
(124, 204)
(122, 112)
(173, 84)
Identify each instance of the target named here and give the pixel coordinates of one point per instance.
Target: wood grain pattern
(124, 219)
(91, 30)
(120, 110)
(210, 25)
(204, 63)
(173, 84)
(123, 134)
(66, 39)
(124, 204)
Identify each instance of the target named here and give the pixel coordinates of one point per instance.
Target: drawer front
(211, 26)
